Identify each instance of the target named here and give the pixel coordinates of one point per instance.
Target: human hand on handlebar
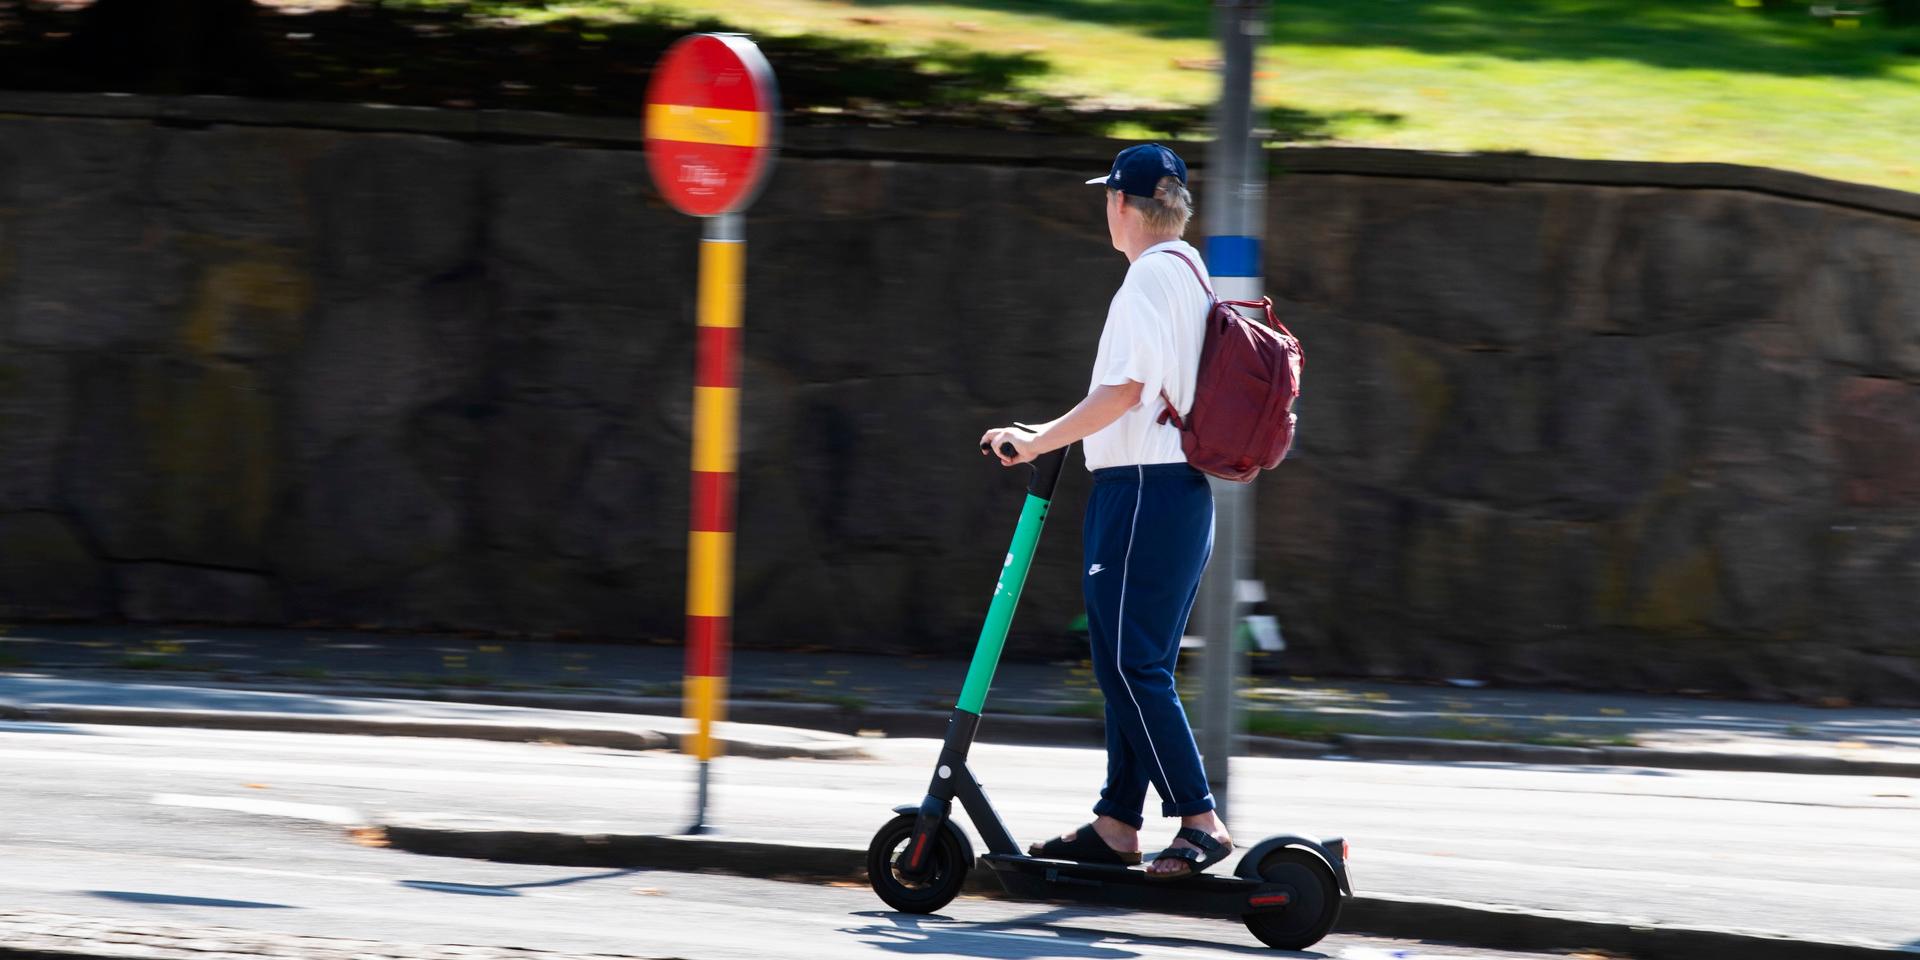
(995, 443)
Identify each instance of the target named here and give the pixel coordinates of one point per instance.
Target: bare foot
(1121, 837)
(1208, 823)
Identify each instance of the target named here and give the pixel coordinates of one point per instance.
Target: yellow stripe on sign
(706, 705)
(722, 274)
(716, 429)
(725, 128)
(709, 573)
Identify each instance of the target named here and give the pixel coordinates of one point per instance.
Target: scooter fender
(920, 809)
(1328, 850)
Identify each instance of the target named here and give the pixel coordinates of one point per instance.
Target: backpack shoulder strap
(1204, 285)
(1170, 413)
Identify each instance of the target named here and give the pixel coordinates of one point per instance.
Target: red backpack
(1242, 417)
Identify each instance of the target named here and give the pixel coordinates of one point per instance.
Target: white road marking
(319, 812)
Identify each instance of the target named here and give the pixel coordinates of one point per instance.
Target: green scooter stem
(1013, 579)
(951, 777)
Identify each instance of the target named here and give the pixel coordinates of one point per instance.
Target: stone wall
(1633, 438)
(1618, 436)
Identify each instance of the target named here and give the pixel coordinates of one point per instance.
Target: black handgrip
(1046, 468)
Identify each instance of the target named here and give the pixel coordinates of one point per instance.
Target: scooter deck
(1032, 878)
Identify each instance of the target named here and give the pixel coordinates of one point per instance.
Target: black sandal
(1210, 852)
(1085, 847)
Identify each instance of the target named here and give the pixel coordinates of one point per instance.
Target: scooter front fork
(916, 862)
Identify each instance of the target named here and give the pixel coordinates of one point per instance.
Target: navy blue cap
(1137, 170)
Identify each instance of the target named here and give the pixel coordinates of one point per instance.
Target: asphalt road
(109, 821)
(98, 827)
(389, 897)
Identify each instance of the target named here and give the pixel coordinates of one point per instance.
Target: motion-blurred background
(367, 314)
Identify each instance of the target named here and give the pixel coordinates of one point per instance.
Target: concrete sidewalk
(1031, 702)
(62, 700)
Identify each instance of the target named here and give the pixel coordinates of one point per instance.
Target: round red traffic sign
(712, 120)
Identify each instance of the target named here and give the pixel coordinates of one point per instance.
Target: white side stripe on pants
(1120, 633)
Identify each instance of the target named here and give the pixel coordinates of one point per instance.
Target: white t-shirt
(1153, 334)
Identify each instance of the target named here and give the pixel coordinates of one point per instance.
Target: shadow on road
(907, 933)
(30, 726)
(507, 889)
(1032, 936)
(170, 900)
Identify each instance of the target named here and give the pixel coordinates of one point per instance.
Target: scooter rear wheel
(946, 873)
(1315, 906)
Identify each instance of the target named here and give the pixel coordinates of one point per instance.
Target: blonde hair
(1168, 211)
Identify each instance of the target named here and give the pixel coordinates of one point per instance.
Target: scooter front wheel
(945, 875)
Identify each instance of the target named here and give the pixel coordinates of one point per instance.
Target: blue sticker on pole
(1233, 256)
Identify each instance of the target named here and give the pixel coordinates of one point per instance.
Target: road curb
(1078, 731)
(1466, 751)
(1006, 728)
(759, 858)
(1510, 928)
(1480, 925)
(629, 739)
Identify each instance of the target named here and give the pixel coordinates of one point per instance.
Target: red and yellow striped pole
(711, 132)
(716, 434)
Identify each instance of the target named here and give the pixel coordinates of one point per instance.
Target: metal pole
(1236, 216)
(716, 421)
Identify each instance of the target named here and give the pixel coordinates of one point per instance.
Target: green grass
(469, 680)
(434, 679)
(143, 661)
(1573, 740)
(1679, 80)
(1294, 726)
(302, 673)
(1262, 723)
(661, 688)
(1326, 728)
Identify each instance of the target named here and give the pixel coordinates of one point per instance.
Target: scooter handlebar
(1046, 468)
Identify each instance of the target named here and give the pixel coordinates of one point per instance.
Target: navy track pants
(1147, 538)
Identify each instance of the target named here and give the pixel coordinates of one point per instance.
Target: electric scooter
(1287, 889)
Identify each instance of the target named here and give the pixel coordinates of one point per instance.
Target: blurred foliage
(1770, 84)
(1830, 88)
(1765, 36)
(492, 54)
